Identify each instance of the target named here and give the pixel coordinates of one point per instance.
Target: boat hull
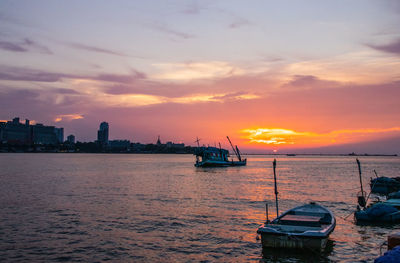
(362, 217)
(379, 213)
(290, 241)
(214, 163)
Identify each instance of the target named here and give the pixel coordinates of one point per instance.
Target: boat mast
(237, 150)
(198, 141)
(220, 151)
(276, 189)
(233, 148)
(198, 149)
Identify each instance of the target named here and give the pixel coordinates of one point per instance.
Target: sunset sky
(307, 76)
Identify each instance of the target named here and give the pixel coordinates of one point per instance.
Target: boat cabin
(212, 153)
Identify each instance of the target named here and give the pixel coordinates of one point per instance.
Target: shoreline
(180, 153)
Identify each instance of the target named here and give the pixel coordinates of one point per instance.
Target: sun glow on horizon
(285, 137)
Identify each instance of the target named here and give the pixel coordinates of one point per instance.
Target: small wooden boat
(305, 226)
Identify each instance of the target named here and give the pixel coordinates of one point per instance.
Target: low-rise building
(119, 145)
(71, 139)
(175, 145)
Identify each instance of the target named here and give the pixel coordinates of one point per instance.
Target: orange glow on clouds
(286, 137)
(68, 117)
(199, 70)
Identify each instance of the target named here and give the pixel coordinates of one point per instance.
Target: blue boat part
(378, 213)
(391, 256)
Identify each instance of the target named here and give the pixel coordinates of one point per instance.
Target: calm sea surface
(160, 208)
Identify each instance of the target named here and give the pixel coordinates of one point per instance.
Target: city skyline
(303, 76)
(20, 136)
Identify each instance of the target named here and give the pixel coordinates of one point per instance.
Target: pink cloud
(10, 46)
(95, 49)
(27, 74)
(393, 47)
(24, 46)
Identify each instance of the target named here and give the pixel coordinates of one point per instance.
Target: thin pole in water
(359, 172)
(276, 189)
(266, 212)
(361, 198)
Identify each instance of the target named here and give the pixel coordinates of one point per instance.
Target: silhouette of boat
(217, 157)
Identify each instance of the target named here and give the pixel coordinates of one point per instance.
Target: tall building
(102, 133)
(71, 139)
(60, 134)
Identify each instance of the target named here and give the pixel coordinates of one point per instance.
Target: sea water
(160, 208)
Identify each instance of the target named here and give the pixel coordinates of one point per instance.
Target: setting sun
(286, 137)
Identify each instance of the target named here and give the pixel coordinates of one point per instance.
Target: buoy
(393, 240)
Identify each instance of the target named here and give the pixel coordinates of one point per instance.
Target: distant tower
(158, 140)
(102, 133)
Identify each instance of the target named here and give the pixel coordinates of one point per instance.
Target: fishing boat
(386, 212)
(217, 157)
(306, 226)
(384, 185)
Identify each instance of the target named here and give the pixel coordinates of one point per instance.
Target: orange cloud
(362, 67)
(68, 117)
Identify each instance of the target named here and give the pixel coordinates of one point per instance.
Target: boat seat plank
(300, 220)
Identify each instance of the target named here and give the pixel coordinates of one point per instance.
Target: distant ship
(217, 157)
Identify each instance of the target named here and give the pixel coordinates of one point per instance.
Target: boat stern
(292, 241)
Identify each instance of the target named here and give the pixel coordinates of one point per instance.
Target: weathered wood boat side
(306, 226)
